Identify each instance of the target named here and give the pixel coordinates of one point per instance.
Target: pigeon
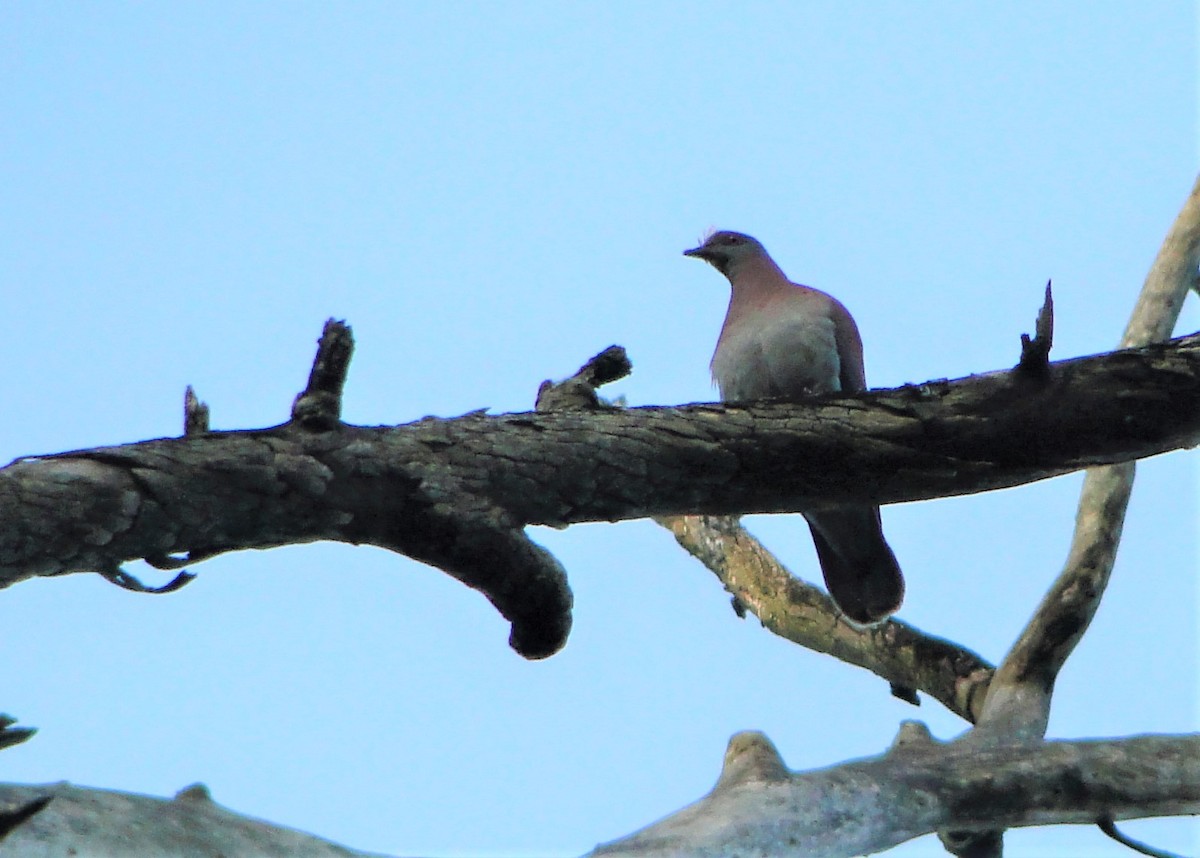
(785, 341)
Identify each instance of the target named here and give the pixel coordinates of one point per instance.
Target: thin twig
(1108, 827)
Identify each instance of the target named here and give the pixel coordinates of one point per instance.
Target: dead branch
(909, 659)
(920, 786)
(1019, 699)
(62, 819)
(456, 493)
(1018, 703)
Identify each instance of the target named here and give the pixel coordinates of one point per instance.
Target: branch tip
(10, 735)
(482, 546)
(1035, 352)
(912, 735)
(610, 365)
(750, 756)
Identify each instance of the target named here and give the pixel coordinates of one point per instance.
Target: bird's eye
(730, 239)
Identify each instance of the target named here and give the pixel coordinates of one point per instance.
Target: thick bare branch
(920, 786)
(456, 493)
(62, 819)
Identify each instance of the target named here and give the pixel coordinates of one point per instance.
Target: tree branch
(10, 735)
(909, 659)
(918, 787)
(62, 819)
(1021, 690)
(456, 493)
(1017, 704)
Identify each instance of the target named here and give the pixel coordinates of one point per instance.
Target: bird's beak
(700, 252)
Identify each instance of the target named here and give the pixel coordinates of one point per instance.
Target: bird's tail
(860, 569)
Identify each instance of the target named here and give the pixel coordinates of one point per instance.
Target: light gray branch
(907, 658)
(760, 809)
(71, 820)
(1020, 693)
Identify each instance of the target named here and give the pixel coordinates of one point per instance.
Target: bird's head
(727, 251)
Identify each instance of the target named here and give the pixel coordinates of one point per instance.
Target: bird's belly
(789, 360)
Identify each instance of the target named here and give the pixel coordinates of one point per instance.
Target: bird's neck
(757, 280)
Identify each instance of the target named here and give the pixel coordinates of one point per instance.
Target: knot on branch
(750, 757)
(194, 792)
(973, 844)
(579, 391)
(913, 736)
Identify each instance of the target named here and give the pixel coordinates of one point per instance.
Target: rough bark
(456, 493)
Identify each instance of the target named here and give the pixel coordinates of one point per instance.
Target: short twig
(1035, 352)
(10, 735)
(117, 575)
(1107, 825)
(195, 414)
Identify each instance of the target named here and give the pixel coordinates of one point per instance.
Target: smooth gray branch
(760, 809)
(62, 819)
(1019, 699)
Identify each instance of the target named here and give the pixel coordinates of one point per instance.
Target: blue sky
(489, 194)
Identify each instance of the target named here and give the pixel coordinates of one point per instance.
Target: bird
(781, 340)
